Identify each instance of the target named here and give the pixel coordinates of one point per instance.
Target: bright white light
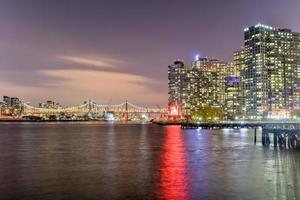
(264, 26)
(144, 116)
(110, 117)
(197, 57)
(258, 25)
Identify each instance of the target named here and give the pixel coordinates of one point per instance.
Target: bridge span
(125, 110)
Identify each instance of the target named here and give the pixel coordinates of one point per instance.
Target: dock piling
(254, 135)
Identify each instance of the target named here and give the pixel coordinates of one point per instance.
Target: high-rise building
(271, 77)
(208, 82)
(235, 101)
(233, 98)
(238, 63)
(6, 101)
(11, 101)
(177, 76)
(14, 102)
(202, 85)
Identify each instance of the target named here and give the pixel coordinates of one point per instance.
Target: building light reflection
(173, 182)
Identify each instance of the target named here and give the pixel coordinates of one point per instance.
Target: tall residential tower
(176, 76)
(271, 74)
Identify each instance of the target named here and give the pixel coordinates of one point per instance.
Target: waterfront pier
(281, 134)
(284, 135)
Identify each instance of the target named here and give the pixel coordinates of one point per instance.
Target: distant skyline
(110, 51)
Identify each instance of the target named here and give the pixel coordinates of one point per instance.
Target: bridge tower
(126, 110)
(90, 106)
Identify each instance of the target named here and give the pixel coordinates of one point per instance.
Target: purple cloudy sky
(73, 50)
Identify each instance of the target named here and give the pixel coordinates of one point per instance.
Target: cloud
(100, 80)
(95, 62)
(74, 86)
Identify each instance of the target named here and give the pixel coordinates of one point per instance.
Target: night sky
(109, 51)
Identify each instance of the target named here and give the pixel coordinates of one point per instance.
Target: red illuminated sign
(173, 109)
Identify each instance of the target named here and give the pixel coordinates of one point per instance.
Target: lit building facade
(14, 102)
(208, 83)
(234, 87)
(233, 98)
(11, 106)
(6, 101)
(238, 63)
(271, 73)
(201, 85)
(177, 74)
(11, 101)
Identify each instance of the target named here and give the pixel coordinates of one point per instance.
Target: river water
(141, 161)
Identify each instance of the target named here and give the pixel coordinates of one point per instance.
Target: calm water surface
(127, 161)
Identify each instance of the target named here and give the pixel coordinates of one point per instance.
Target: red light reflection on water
(172, 182)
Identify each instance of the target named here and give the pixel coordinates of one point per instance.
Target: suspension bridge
(124, 110)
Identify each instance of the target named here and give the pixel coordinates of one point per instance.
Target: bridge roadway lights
(92, 107)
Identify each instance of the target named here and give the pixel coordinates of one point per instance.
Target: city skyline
(261, 83)
(93, 53)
